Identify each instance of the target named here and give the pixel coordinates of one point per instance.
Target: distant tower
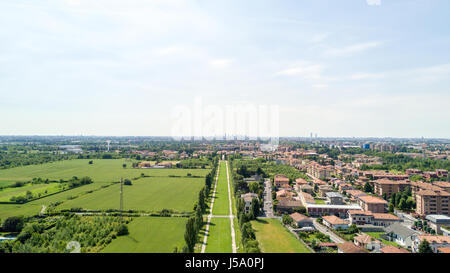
(108, 142)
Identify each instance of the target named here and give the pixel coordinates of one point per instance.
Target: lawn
(319, 201)
(274, 238)
(219, 239)
(377, 236)
(146, 194)
(221, 203)
(150, 235)
(101, 171)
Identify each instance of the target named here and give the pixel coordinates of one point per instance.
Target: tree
(91, 162)
(253, 186)
(425, 247)
(122, 230)
(190, 236)
(254, 209)
(391, 207)
(13, 224)
(367, 187)
(124, 165)
(127, 182)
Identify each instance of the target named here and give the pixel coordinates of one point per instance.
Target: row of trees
(402, 200)
(195, 222)
(248, 237)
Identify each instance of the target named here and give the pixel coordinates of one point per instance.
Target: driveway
(325, 230)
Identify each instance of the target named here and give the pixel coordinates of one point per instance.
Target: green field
(150, 235)
(274, 238)
(221, 203)
(37, 190)
(34, 207)
(102, 171)
(146, 194)
(219, 239)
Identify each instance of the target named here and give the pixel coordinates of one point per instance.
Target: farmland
(150, 235)
(274, 238)
(101, 171)
(146, 194)
(159, 189)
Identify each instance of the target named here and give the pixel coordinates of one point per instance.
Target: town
(304, 195)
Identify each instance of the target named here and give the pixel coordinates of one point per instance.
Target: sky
(350, 68)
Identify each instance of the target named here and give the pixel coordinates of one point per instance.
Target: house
(288, 205)
(253, 178)
(400, 234)
(323, 189)
(145, 164)
(301, 220)
(444, 250)
(355, 193)
(280, 180)
(372, 203)
(435, 242)
(306, 188)
(348, 247)
(334, 222)
(338, 210)
(438, 221)
(306, 198)
(392, 249)
(359, 217)
(334, 198)
(248, 199)
(365, 241)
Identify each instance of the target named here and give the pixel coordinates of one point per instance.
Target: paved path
(233, 234)
(205, 239)
(325, 230)
(268, 202)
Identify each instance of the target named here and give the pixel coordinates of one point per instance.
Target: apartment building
(432, 202)
(373, 204)
(388, 187)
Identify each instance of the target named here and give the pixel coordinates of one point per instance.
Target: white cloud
(348, 50)
(366, 76)
(221, 63)
(373, 2)
(304, 70)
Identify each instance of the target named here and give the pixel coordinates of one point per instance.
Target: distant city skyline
(118, 68)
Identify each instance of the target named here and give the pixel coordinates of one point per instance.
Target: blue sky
(335, 68)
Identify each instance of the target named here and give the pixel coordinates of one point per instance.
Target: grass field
(34, 207)
(101, 171)
(37, 190)
(146, 194)
(219, 239)
(274, 238)
(221, 203)
(150, 235)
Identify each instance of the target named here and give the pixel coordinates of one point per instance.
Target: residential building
(388, 187)
(401, 235)
(334, 198)
(280, 180)
(438, 221)
(301, 220)
(432, 202)
(348, 247)
(435, 242)
(373, 204)
(248, 199)
(359, 218)
(334, 222)
(338, 210)
(365, 241)
(392, 249)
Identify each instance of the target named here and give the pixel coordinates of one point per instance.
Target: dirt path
(233, 239)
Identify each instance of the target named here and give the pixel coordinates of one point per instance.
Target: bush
(122, 230)
(127, 182)
(13, 224)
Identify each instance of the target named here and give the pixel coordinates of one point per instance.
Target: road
(268, 202)
(325, 230)
(233, 239)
